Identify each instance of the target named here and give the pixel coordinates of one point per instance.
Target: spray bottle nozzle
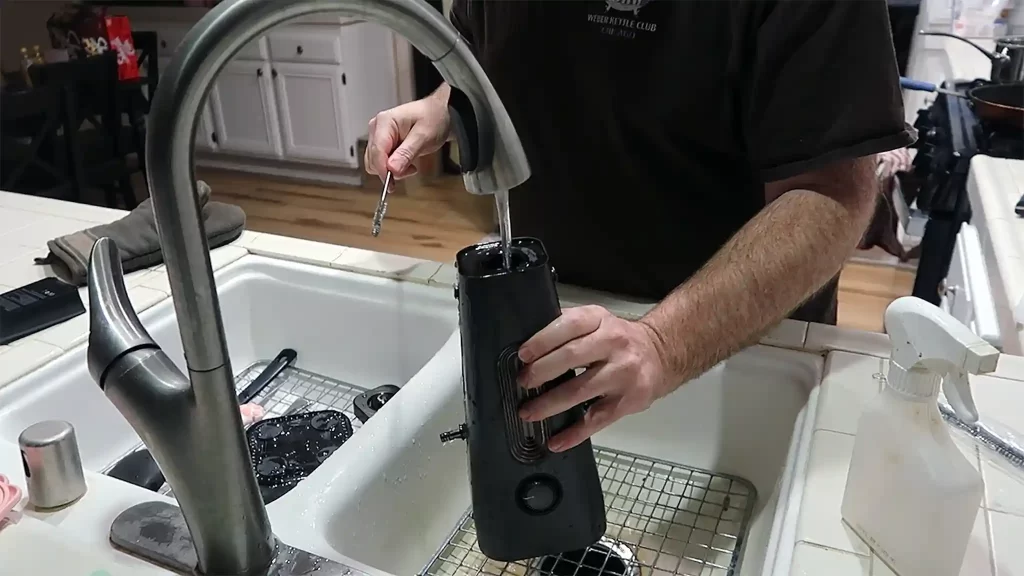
(928, 345)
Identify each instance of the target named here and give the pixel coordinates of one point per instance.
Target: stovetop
(950, 134)
(995, 140)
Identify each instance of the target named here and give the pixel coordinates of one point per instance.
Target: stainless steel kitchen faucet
(193, 427)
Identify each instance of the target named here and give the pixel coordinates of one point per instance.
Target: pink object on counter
(251, 413)
(10, 495)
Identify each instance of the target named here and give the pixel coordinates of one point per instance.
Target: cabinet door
(309, 98)
(205, 137)
(243, 109)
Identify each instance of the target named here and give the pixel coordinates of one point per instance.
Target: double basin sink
(718, 459)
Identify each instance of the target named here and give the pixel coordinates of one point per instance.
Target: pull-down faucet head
(192, 425)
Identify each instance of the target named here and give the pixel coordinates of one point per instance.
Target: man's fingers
(381, 141)
(563, 397)
(367, 165)
(573, 323)
(597, 418)
(401, 159)
(577, 353)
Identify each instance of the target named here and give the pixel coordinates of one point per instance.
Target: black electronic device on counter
(37, 306)
(287, 449)
(527, 501)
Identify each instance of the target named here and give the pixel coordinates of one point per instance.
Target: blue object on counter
(920, 85)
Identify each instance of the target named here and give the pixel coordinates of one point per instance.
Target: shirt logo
(633, 6)
(627, 26)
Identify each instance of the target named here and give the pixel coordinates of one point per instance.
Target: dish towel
(882, 230)
(137, 238)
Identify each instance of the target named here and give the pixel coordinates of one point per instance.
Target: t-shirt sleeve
(824, 86)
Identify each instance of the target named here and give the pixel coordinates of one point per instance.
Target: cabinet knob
(259, 72)
(273, 72)
(299, 49)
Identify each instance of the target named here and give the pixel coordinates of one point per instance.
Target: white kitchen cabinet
(296, 100)
(244, 111)
(206, 138)
(309, 101)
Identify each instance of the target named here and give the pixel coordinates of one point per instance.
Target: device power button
(539, 494)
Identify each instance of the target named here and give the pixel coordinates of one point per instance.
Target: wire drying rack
(295, 389)
(297, 385)
(663, 520)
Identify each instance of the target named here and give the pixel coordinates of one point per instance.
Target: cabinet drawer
(169, 38)
(255, 50)
(306, 44)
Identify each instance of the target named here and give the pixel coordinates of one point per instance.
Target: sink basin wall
(360, 329)
(390, 497)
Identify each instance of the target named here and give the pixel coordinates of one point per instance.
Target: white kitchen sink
(390, 498)
(360, 329)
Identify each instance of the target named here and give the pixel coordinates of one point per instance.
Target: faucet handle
(114, 327)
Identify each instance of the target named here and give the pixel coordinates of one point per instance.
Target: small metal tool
(382, 206)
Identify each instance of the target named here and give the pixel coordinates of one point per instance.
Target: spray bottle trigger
(957, 389)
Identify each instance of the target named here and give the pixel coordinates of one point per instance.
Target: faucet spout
(192, 424)
(222, 507)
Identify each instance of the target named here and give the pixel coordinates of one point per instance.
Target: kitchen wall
(23, 23)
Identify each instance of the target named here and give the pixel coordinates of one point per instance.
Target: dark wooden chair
(92, 123)
(34, 158)
(137, 95)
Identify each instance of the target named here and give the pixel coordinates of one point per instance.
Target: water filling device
(527, 501)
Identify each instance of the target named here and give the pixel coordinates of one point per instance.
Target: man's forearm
(767, 269)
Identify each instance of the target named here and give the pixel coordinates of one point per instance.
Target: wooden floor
(435, 220)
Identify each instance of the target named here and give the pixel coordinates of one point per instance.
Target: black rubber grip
(465, 128)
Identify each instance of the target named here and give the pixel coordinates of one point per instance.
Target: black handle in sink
(282, 361)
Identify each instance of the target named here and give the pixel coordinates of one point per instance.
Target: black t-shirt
(651, 126)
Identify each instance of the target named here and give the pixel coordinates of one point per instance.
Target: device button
(539, 494)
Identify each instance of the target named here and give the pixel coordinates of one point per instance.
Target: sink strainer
(664, 519)
(606, 558)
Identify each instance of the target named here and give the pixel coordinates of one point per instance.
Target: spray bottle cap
(929, 344)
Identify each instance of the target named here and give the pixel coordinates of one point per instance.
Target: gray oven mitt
(137, 239)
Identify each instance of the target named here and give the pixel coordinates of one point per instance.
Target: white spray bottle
(911, 495)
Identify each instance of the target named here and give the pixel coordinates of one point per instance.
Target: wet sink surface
(358, 329)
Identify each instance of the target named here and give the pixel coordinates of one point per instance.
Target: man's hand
(624, 367)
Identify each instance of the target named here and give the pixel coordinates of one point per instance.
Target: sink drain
(606, 558)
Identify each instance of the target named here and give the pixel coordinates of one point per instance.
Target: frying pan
(999, 103)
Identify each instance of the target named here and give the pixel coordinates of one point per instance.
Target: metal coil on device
(527, 441)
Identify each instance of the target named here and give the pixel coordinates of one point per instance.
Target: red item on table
(85, 31)
(119, 34)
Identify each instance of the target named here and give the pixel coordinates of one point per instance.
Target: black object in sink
(287, 449)
(368, 403)
(140, 468)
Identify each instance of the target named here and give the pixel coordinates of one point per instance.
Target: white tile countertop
(855, 361)
(995, 186)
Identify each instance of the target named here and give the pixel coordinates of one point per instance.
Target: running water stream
(504, 227)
